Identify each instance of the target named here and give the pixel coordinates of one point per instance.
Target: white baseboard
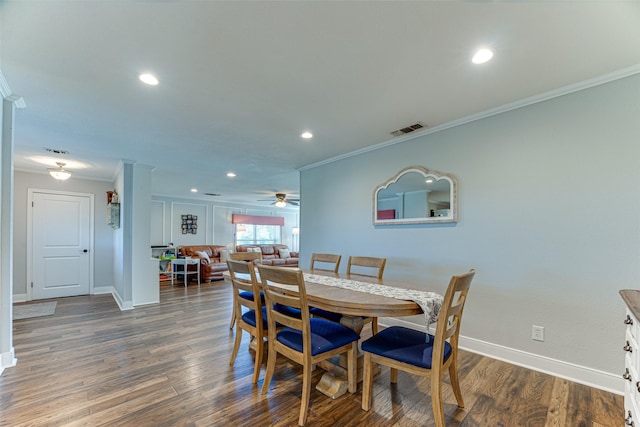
(19, 297)
(123, 305)
(580, 374)
(99, 290)
(7, 360)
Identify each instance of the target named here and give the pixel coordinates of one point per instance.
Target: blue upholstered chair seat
(249, 295)
(405, 345)
(329, 315)
(325, 336)
(250, 317)
(289, 311)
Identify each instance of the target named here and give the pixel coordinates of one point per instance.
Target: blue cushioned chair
(302, 339)
(256, 257)
(254, 319)
(325, 261)
(422, 354)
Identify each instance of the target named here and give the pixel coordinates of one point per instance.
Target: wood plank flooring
(168, 365)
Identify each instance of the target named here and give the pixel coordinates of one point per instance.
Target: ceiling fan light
(60, 173)
(280, 204)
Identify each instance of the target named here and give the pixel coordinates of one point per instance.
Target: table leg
(334, 382)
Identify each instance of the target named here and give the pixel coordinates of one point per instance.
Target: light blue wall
(549, 200)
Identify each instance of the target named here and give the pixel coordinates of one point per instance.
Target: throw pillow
(224, 255)
(257, 250)
(284, 253)
(203, 254)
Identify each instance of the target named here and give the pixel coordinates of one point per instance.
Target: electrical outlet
(537, 333)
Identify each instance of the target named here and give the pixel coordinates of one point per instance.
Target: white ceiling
(239, 81)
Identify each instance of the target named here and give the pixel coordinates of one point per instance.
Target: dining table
(357, 297)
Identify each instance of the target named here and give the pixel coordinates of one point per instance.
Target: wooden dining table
(353, 305)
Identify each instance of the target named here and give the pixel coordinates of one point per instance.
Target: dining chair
(303, 339)
(325, 259)
(371, 266)
(256, 257)
(421, 353)
(254, 319)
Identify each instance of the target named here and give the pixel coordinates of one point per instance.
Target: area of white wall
(548, 200)
(215, 217)
(103, 238)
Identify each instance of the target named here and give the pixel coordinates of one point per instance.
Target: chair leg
(393, 374)
(455, 383)
(258, 362)
(367, 382)
(436, 400)
(233, 317)
(306, 393)
(271, 366)
(236, 346)
(374, 325)
(352, 367)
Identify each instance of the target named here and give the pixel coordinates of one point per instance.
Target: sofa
(211, 268)
(271, 254)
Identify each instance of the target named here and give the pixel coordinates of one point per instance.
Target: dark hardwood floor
(168, 365)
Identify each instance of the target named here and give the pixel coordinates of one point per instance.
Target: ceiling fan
(281, 201)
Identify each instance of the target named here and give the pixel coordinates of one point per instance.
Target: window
(249, 234)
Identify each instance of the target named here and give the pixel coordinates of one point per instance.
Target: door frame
(30, 193)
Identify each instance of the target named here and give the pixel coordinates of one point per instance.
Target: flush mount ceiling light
(482, 56)
(306, 135)
(149, 79)
(60, 173)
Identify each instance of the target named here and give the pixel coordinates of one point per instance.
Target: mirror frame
(453, 197)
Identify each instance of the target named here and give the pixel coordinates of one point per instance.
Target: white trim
(121, 304)
(7, 360)
(19, 298)
(545, 96)
(101, 290)
(580, 374)
(7, 94)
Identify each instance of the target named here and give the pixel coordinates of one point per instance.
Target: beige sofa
(273, 254)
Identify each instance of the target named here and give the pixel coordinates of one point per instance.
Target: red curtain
(257, 220)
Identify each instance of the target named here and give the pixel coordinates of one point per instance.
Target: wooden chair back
(325, 259)
(243, 281)
(374, 267)
(246, 256)
(272, 281)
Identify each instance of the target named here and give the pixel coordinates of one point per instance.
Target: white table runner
(430, 302)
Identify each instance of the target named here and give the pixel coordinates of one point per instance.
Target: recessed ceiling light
(194, 190)
(306, 135)
(231, 174)
(482, 56)
(149, 79)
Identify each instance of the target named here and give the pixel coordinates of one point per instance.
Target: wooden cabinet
(631, 350)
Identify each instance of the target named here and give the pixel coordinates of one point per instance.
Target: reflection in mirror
(416, 195)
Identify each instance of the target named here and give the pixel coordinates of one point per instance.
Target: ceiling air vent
(407, 129)
(55, 151)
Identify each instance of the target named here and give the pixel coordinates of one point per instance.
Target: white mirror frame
(453, 198)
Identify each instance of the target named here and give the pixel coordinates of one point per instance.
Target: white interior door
(61, 238)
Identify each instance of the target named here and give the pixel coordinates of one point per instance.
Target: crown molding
(7, 94)
(545, 96)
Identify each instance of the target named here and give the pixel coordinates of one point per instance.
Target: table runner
(430, 302)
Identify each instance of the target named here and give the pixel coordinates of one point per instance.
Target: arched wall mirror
(416, 195)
